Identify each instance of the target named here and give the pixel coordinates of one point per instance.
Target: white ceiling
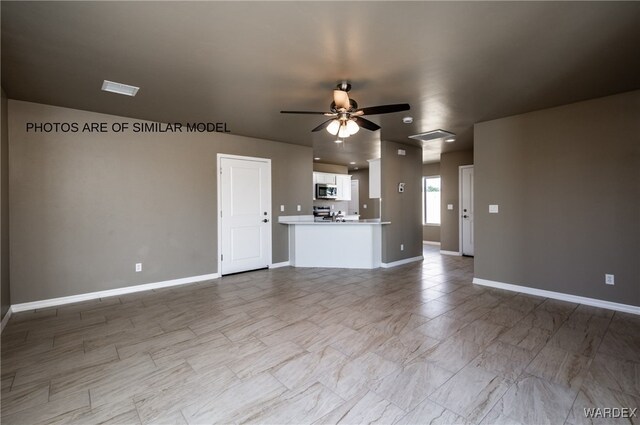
(455, 63)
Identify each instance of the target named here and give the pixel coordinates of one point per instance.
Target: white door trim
(460, 168)
(219, 203)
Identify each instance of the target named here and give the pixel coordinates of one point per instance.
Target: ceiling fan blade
(341, 99)
(326, 114)
(367, 124)
(323, 125)
(383, 109)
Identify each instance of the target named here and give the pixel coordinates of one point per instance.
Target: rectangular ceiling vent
(119, 88)
(432, 135)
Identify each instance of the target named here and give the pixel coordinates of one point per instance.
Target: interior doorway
(466, 210)
(244, 213)
(354, 203)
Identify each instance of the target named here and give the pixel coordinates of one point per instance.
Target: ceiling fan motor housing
(344, 86)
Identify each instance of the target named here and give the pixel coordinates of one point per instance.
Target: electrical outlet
(281, 208)
(609, 279)
(401, 247)
(138, 267)
(299, 208)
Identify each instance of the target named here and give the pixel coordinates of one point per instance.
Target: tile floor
(416, 344)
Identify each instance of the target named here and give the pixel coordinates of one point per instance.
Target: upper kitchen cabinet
(343, 181)
(324, 178)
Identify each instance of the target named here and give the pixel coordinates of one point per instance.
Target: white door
(343, 181)
(354, 203)
(245, 214)
(466, 206)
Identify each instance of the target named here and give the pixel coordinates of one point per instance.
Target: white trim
(455, 253)
(278, 265)
(219, 200)
(431, 243)
(6, 318)
(52, 302)
(559, 296)
(401, 262)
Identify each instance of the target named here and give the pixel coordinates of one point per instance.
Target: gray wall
(86, 207)
(567, 182)
(404, 210)
(373, 205)
(449, 224)
(431, 233)
(5, 294)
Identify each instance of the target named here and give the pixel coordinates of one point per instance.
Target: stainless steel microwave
(326, 191)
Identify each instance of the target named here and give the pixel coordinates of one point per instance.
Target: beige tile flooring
(414, 344)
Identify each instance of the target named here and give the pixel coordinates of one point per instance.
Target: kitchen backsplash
(337, 206)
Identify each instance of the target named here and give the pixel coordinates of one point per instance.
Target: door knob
(266, 220)
(465, 216)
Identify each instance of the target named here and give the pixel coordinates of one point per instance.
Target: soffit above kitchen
(455, 63)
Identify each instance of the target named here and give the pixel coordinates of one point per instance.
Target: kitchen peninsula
(349, 244)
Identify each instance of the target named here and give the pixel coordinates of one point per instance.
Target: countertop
(308, 220)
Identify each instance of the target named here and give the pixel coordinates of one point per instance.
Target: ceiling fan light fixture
(333, 127)
(344, 131)
(352, 127)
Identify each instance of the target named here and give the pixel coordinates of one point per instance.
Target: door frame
(460, 168)
(219, 203)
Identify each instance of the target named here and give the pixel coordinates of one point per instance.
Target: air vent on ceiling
(119, 88)
(432, 135)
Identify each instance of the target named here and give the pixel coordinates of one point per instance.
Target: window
(431, 200)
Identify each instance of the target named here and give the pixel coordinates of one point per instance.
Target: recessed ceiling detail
(496, 61)
(432, 135)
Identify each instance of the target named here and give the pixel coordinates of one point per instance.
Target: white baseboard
(110, 292)
(431, 243)
(559, 296)
(278, 265)
(401, 262)
(455, 253)
(5, 319)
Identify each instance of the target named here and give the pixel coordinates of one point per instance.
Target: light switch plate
(450, 206)
(493, 209)
(364, 206)
(281, 208)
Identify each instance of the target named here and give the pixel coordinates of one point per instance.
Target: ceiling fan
(346, 117)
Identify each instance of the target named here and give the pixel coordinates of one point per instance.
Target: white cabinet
(374, 178)
(324, 178)
(343, 181)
